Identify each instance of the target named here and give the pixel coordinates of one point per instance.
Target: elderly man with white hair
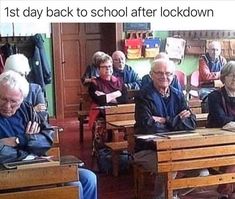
(159, 108)
(21, 127)
(20, 64)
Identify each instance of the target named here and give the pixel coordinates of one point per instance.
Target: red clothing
(207, 74)
(106, 87)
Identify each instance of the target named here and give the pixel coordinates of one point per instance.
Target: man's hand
(160, 120)
(32, 128)
(40, 107)
(11, 141)
(184, 114)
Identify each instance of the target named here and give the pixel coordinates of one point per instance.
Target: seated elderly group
(23, 128)
(160, 107)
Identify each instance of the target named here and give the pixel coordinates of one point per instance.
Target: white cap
(18, 63)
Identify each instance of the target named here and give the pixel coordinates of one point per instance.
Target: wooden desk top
(17, 178)
(199, 136)
(130, 123)
(122, 124)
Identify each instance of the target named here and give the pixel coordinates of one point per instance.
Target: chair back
(194, 84)
(195, 79)
(182, 78)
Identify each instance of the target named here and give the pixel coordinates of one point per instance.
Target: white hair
(167, 62)
(14, 80)
(18, 63)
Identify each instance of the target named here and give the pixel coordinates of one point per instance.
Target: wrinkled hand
(32, 128)
(11, 141)
(160, 120)
(40, 107)
(184, 114)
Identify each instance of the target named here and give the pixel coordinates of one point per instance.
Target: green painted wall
(50, 88)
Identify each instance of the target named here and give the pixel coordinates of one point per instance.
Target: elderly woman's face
(10, 100)
(229, 81)
(106, 69)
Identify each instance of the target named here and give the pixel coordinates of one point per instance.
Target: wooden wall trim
(56, 42)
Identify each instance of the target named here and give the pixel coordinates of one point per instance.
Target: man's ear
(151, 74)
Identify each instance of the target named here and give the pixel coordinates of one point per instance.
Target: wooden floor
(109, 187)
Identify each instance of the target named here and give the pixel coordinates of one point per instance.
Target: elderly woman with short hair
(222, 112)
(221, 102)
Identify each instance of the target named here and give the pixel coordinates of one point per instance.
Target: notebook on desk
(24, 164)
(175, 134)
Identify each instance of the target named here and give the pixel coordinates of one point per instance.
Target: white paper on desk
(145, 137)
(229, 126)
(30, 157)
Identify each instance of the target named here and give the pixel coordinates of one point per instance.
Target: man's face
(214, 50)
(10, 100)
(119, 61)
(162, 75)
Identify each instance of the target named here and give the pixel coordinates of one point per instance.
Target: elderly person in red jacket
(210, 66)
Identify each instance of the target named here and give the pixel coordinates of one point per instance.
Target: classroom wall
(142, 66)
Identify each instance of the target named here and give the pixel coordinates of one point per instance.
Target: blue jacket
(129, 77)
(15, 126)
(221, 108)
(40, 71)
(150, 103)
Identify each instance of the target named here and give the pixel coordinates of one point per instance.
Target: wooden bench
(83, 113)
(195, 105)
(119, 118)
(207, 148)
(46, 180)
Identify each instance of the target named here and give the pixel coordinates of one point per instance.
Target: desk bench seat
(208, 148)
(116, 148)
(118, 119)
(46, 180)
(39, 183)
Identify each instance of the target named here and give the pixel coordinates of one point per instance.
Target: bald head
(119, 60)
(214, 49)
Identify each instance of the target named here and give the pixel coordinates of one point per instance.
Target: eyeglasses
(231, 76)
(106, 66)
(13, 103)
(119, 59)
(161, 74)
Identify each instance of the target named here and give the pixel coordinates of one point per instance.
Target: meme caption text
(125, 12)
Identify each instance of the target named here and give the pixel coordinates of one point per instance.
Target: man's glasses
(13, 103)
(106, 66)
(231, 76)
(161, 74)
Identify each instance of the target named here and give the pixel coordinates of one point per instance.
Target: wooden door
(73, 47)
